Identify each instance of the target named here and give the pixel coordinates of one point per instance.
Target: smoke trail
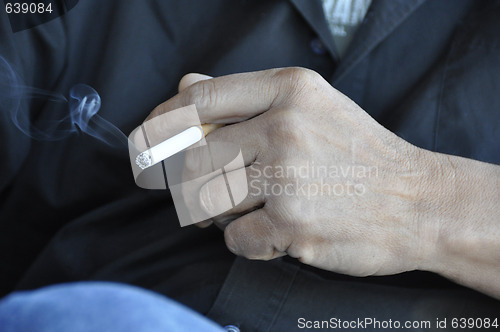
(49, 116)
(84, 104)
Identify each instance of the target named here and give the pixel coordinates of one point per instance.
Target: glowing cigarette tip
(169, 147)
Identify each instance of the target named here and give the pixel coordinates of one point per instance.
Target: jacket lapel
(382, 18)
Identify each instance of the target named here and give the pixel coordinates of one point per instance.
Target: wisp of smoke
(84, 104)
(45, 115)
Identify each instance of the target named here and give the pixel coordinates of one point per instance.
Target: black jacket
(427, 70)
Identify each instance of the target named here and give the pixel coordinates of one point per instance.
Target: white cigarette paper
(169, 147)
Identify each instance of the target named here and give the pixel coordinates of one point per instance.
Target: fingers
(204, 223)
(190, 79)
(236, 184)
(247, 135)
(237, 97)
(209, 127)
(255, 236)
(212, 198)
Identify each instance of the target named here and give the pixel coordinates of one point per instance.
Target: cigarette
(169, 147)
(209, 127)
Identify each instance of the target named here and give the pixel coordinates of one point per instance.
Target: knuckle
(303, 252)
(239, 238)
(296, 74)
(298, 79)
(183, 80)
(155, 129)
(157, 111)
(210, 195)
(203, 94)
(231, 240)
(297, 82)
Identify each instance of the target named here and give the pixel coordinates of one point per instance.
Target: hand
(327, 184)
(330, 186)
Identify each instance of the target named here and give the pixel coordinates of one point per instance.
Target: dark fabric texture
(69, 210)
(274, 296)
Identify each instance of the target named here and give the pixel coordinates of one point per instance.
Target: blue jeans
(97, 306)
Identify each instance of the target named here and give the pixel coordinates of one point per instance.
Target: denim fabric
(97, 306)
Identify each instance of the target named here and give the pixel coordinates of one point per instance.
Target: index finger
(237, 97)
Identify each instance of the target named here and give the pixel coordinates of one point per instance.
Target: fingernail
(230, 243)
(205, 199)
(214, 197)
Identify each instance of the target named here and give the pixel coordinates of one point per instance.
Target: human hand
(353, 207)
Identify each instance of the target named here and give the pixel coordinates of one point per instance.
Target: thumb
(190, 79)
